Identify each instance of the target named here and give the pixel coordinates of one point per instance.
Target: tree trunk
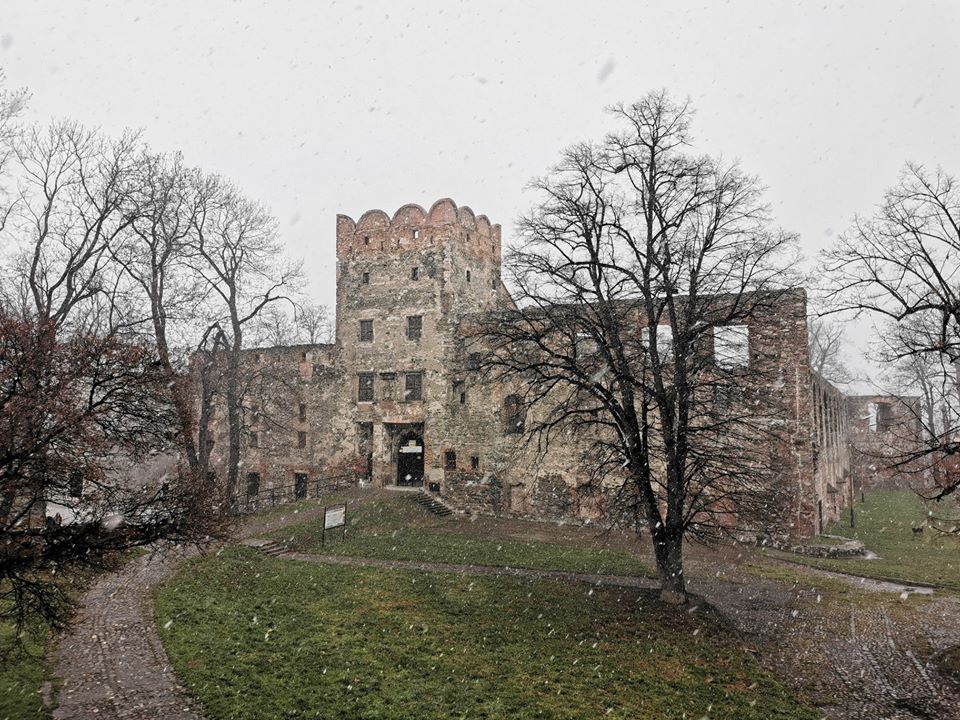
(668, 550)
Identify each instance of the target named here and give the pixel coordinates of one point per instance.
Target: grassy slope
(257, 637)
(22, 672)
(397, 528)
(884, 524)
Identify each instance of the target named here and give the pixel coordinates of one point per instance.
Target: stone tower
(402, 285)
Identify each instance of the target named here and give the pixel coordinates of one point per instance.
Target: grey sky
(318, 108)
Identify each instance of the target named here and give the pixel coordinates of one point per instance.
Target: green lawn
(259, 637)
(397, 528)
(22, 672)
(884, 524)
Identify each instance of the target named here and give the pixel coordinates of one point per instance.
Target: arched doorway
(410, 460)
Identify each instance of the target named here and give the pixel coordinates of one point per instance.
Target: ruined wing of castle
(395, 400)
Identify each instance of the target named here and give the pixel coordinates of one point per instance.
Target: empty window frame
(414, 273)
(731, 346)
(365, 278)
(365, 387)
(414, 327)
(366, 331)
(664, 335)
(253, 484)
(450, 460)
(413, 386)
(884, 417)
(475, 463)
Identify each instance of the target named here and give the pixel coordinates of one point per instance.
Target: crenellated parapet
(414, 229)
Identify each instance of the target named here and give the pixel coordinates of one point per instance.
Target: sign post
(333, 517)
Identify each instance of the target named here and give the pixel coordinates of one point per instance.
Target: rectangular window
(413, 386)
(365, 278)
(303, 411)
(731, 346)
(254, 441)
(301, 439)
(468, 276)
(366, 331)
(414, 327)
(884, 416)
(365, 387)
(415, 273)
(475, 463)
(450, 460)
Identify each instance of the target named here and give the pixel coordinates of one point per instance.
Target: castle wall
(443, 265)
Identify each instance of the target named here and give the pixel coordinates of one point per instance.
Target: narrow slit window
(301, 439)
(413, 386)
(365, 387)
(366, 331)
(414, 327)
(303, 411)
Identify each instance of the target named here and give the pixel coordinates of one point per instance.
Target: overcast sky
(316, 109)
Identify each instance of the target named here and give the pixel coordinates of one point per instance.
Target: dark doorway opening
(410, 460)
(300, 485)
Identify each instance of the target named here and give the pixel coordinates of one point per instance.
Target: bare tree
(636, 275)
(83, 400)
(313, 322)
(239, 260)
(903, 265)
(11, 105)
(825, 346)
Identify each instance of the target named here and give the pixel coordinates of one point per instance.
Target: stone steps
(271, 547)
(432, 504)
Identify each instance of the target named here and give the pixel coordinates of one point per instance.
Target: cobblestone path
(111, 661)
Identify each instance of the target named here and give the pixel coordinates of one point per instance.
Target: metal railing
(270, 497)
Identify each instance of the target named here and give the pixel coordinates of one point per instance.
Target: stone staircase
(267, 547)
(433, 504)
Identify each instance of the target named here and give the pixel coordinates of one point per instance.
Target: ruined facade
(396, 399)
(881, 427)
